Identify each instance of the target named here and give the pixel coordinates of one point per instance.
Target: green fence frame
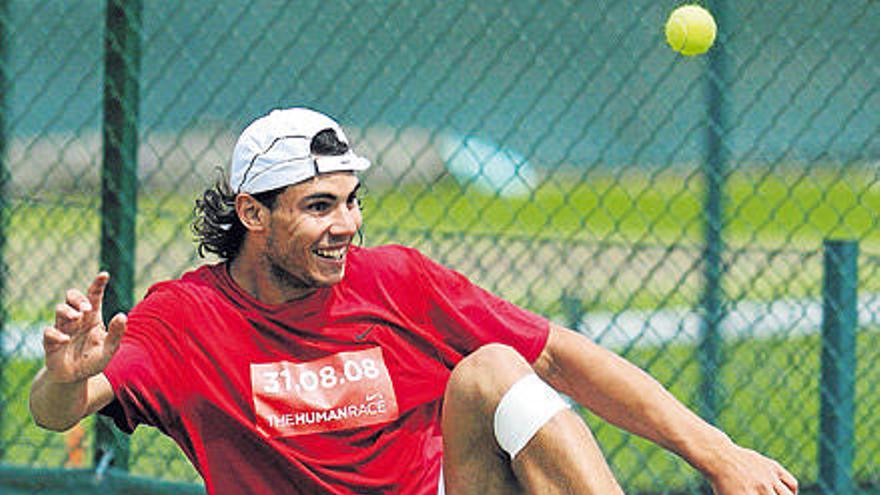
(4, 180)
(838, 382)
(122, 47)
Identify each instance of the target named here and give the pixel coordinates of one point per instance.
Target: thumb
(115, 331)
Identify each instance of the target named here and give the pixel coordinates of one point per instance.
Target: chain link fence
(556, 152)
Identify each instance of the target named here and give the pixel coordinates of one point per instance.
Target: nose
(346, 221)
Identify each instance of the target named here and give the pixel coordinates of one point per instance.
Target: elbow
(47, 422)
(46, 425)
(563, 354)
(52, 425)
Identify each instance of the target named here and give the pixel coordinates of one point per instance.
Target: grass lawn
(767, 210)
(764, 208)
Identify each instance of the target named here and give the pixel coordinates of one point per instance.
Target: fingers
(78, 306)
(788, 480)
(781, 488)
(115, 331)
(96, 290)
(67, 312)
(53, 339)
(784, 483)
(67, 317)
(93, 297)
(117, 326)
(754, 474)
(78, 301)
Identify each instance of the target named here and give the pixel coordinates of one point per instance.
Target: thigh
(473, 463)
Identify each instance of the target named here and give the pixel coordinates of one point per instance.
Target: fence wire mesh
(553, 151)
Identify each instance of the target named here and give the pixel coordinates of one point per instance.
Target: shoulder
(386, 260)
(175, 296)
(401, 269)
(204, 278)
(391, 272)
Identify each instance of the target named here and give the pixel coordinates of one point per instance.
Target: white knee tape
(527, 406)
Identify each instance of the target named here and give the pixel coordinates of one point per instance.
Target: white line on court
(746, 319)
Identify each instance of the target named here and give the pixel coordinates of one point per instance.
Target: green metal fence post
(119, 184)
(572, 308)
(4, 206)
(714, 170)
(709, 353)
(837, 387)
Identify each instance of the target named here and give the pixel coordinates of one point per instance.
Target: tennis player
(304, 364)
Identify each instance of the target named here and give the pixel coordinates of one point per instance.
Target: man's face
(310, 230)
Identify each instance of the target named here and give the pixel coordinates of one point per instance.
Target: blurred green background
(558, 153)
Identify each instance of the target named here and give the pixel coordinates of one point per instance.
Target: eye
(318, 206)
(356, 199)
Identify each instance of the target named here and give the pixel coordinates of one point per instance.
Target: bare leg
(562, 458)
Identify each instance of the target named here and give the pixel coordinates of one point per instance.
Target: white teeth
(336, 254)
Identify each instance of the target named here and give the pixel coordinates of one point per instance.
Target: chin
(329, 281)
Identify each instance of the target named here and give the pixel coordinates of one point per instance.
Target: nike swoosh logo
(362, 336)
(372, 397)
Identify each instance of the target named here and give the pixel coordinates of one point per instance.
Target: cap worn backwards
(275, 151)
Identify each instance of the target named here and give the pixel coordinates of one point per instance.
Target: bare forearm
(626, 396)
(58, 406)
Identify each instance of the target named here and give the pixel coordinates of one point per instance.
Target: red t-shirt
(339, 392)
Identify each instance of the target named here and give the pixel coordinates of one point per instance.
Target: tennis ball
(690, 30)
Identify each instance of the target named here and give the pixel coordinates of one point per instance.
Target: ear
(253, 214)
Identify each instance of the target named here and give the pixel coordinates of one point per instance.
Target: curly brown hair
(216, 225)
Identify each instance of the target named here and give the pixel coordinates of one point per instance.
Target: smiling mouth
(335, 254)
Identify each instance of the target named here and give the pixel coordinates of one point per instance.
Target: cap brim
(346, 162)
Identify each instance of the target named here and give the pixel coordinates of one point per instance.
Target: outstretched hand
(78, 346)
(746, 472)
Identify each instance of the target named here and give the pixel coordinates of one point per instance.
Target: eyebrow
(331, 197)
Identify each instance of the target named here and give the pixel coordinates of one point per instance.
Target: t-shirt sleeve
(470, 316)
(145, 371)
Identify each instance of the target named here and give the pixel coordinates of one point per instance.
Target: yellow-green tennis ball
(690, 30)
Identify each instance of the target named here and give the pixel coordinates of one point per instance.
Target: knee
(482, 377)
(490, 362)
(496, 384)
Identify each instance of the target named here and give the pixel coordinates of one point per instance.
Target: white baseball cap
(275, 151)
